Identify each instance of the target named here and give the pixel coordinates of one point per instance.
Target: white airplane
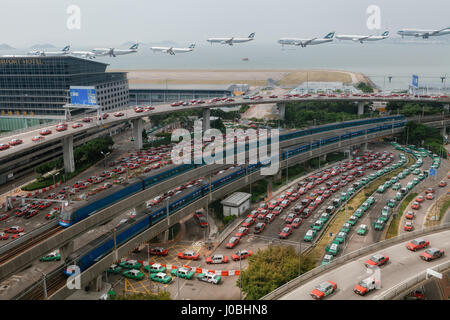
(43, 53)
(231, 41)
(84, 54)
(306, 42)
(423, 33)
(112, 52)
(361, 39)
(172, 51)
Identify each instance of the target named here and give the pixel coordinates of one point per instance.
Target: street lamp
(44, 285)
(240, 276)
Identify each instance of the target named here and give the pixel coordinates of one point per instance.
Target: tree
(364, 87)
(270, 268)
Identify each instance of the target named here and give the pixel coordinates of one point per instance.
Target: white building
(236, 204)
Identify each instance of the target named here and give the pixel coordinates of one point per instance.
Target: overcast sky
(112, 22)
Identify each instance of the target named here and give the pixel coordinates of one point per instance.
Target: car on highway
(155, 267)
(118, 114)
(326, 259)
(242, 231)
(188, 255)
(37, 138)
(14, 229)
(160, 277)
(362, 230)
(420, 199)
(232, 242)
(183, 272)
(130, 264)
(241, 254)
(217, 259)
(77, 125)
(366, 285)
(52, 256)
(259, 227)
(429, 190)
(4, 236)
(209, 277)
(158, 251)
(431, 254)
(429, 196)
(296, 223)
(248, 222)
(134, 274)
(114, 268)
(416, 205)
(417, 244)
(410, 215)
(376, 260)
(442, 184)
(4, 216)
(285, 232)
(323, 290)
(86, 119)
(408, 226)
(310, 235)
(45, 132)
(15, 142)
(61, 127)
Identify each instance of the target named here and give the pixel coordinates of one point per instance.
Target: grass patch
(442, 209)
(393, 226)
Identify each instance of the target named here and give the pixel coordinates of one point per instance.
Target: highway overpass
(66, 138)
(403, 271)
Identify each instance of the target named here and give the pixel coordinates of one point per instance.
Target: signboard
(431, 272)
(83, 95)
(415, 81)
(432, 172)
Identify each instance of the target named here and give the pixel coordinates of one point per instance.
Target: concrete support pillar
(360, 108)
(98, 283)
(444, 131)
(281, 110)
(69, 162)
(166, 235)
(66, 250)
(269, 188)
(206, 119)
(137, 133)
(365, 146)
(323, 158)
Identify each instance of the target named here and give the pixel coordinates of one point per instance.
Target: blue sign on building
(415, 81)
(83, 95)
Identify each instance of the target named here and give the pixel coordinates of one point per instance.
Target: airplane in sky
(113, 52)
(63, 52)
(306, 42)
(231, 41)
(172, 51)
(361, 39)
(423, 33)
(83, 54)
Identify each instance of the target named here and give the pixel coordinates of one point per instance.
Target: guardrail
(395, 291)
(297, 282)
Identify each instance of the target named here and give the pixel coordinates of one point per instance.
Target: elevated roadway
(404, 267)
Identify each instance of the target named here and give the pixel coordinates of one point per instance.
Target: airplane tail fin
(385, 34)
(66, 48)
(251, 35)
(329, 36)
(135, 46)
(192, 46)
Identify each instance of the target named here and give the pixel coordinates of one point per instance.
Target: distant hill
(5, 46)
(43, 46)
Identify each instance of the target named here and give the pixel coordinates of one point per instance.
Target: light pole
(44, 285)
(240, 276)
(299, 257)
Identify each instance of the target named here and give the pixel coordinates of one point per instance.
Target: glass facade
(40, 85)
(160, 96)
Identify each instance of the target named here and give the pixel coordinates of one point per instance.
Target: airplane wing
(361, 39)
(436, 32)
(170, 51)
(304, 44)
(228, 41)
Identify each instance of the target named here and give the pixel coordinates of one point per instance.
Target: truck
(366, 285)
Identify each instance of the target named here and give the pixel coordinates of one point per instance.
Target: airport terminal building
(38, 87)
